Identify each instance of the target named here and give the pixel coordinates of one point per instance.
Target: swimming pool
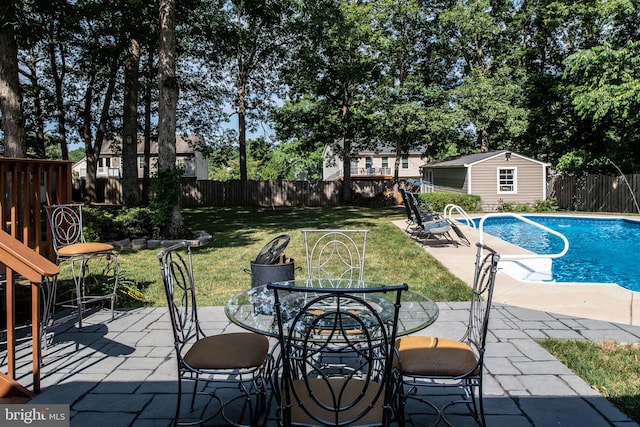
(601, 250)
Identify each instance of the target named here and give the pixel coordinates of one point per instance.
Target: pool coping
(607, 302)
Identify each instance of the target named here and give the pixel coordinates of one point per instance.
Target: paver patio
(123, 373)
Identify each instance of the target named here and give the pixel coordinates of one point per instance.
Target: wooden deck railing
(25, 248)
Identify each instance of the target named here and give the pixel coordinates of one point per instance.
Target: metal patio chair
(230, 358)
(94, 266)
(335, 254)
(335, 356)
(427, 361)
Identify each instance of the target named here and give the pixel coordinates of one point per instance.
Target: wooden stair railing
(20, 259)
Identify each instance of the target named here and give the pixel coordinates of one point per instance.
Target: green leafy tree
(403, 115)
(607, 93)
(489, 94)
(244, 42)
(288, 161)
(332, 77)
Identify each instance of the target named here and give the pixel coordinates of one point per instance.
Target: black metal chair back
(176, 268)
(426, 361)
(237, 358)
(486, 267)
(336, 355)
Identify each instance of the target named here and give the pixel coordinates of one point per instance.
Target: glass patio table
(254, 309)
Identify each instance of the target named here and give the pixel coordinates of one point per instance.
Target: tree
(489, 94)
(10, 97)
(403, 100)
(245, 45)
(167, 209)
(288, 161)
(332, 77)
(604, 82)
(130, 191)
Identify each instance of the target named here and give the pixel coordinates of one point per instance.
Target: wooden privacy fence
(588, 193)
(252, 193)
(597, 193)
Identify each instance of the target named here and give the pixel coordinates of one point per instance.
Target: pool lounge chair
(427, 225)
(418, 220)
(413, 210)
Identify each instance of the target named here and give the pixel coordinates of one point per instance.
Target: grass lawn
(222, 267)
(610, 368)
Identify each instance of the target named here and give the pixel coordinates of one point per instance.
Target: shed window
(507, 180)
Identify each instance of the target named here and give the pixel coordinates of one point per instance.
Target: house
(495, 176)
(372, 164)
(110, 162)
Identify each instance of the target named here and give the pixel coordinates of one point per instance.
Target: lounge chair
(418, 221)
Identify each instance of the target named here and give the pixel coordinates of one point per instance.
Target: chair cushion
(228, 351)
(85, 248)
(328, 390)
(435, 356)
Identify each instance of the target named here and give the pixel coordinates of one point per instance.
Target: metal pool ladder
(537, 266)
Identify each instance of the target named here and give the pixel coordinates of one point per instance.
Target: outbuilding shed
(495, 176)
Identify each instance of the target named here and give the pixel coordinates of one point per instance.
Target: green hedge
(437, 201)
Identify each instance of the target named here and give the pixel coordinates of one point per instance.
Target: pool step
(528, 270)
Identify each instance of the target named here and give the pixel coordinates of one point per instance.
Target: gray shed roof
(471, 159)
(463, 160)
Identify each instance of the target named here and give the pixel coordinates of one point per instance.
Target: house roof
(184, 145)
(381, 149)
(468, 160)
(387, 149)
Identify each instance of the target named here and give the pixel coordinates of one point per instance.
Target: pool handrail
(528, 221)
(448, 211)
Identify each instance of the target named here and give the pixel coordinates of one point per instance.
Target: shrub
(437, 201)
(135, 222)
(538, 206)
(99, 224)
(549, 205)
(513, 207)
(105, 225)
(386, 198)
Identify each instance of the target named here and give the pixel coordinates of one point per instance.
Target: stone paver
(125, 376)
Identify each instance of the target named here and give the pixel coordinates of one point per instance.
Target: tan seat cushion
(228, 351)
(85, 248)
(326, 391)
(434, 356)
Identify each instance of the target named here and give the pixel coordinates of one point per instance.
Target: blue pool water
(601, 250)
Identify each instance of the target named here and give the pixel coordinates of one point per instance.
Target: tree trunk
(483, 136)
(58, 78)
(38, 144)
(15, 141)
(346, 171)
(130, 190)
(242, 124)
(93, 150)
(168, 94)
(87, 136)
(146, 173)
